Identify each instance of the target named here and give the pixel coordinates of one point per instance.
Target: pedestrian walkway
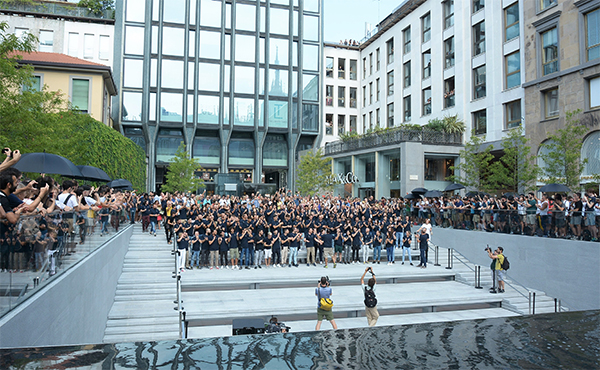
(143, 306)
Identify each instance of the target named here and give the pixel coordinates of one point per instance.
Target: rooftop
(56, 10)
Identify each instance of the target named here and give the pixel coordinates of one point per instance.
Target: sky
(345, 19)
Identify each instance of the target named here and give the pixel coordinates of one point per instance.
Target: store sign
(340, 178)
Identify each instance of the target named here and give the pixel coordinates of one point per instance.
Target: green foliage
(34, 121)
(473, 170)
(181, 177)
(313, 173)
(435, 124)
(563, 163)
(516, 170)
(97, 7)
(454, 125)
(346, 136)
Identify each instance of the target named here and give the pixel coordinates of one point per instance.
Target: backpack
(505, 264)
(370, 300)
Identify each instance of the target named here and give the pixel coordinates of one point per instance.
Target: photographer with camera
(370, 300)
(275, 326)
(496, 267)
(324, 304)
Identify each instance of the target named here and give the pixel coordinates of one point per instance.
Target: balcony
(393, 137)
(61, 10)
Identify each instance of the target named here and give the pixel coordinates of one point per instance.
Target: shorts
(530, 219)
(268, 253)
(328, 252)
(322, 314)
(476, 218)
(560, 223)
(500, 275)
(234, 253)
(339, 249)
(590, 220)
(576, 220)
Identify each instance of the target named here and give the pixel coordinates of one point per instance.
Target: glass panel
(295, 24)
(407, 80)
(353, 124)
(139, 140)
(172, 74)
(426, 101)
(275, 151)
(550, 51)
(192, 44)
(552, 103)
(135, 10)
(353, 69)
(105, 49)
(311, 5)
(261, 81)
(208, 109)
(407, 108)
(192, 18)
(245, 48)
(512, 21)
(341, 124)
(243, 111)
(166, 147)
(173, 41)
(479, 82)
(329, 67)
(132, 106)
(310, 117)
(479, 38)
(245, 17)
(310, 87)
(479, 122)
(513, 70)
(449, 52)
(278, 52)
(209, 76)
(152, 107)
(294, 91)
(154, 40)
(190, 109)
(406, 40)
(191, 77)
(311, 28)
(513, 114)
(478, 5)
(261, 52)
(390, 115)
(227, 48)
(226, 111)
(244, 80)
(153, 72)
(448, 13)
(171, 107)
(132, 73)
(134, 40)
(390, 83)
(591, 151)
(280, 21)
(210, 45)
(241, 152)
(449, 93)
(36, 84)
(227, 78)
(595, 92)
(207, 150)
(278, 82)
(47, 42)
(227, 15)
(311, 57)
(295, 54)
(341, 96)
(80, 94)
(155, 10)
(74, 43)
(353, 93)
(426, 28)
(174, 11)
(261, 113)
(278, 114)
(263, 19)
(593, 34)
(210, 13)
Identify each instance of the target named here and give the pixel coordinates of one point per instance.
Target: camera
(487, 248)
(326, 279)
(371, 271)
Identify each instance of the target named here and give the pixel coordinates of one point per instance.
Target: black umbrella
(47, 163)
(419, 191)
(120, 184)
(555, 188)
(433, 194)
(412, 196)
(476, 193)
(453, 187)
(93, 173)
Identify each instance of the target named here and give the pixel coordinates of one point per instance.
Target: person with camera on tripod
(370, 300)
(323, 293)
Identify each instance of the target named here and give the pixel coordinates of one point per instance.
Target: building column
(412, 168)
(354, 168)
(382, 176)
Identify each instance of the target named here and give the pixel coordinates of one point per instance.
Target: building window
(329, 67)
(511, 21)
(364, 123)
(353, 69)
(406, 37)
(377, 58)
(329, 95)
(427, 64)
(551, 103)
(448, 14)
(46, 41)
(36, 83)
(329, 124)
(407, 108)
(370, 92)
(545, 4)
(592, 40)
(478, 5)
(449, 52)
(364, 96)
(479, 122)
(80, 94)
(377, 121)
(88, 46)
(353, 97)
(390, 51)
(364, 68)
(104, 50)
(341, 124)
(427, 101)
(341, 96)
(21, 32)
(479, 38)
(370, 63)
(449, 93)
(73, 47)
(479, 82)
(513, 114)
(341, 68)
(390, 115)
(353, 125)
(513, 70)
(426, 24)
(550, 51)
(406, 74)
(370, 120)
(377, 88)
(390, 83)
(594, 85)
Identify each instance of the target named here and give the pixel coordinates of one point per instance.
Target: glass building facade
(237, 81)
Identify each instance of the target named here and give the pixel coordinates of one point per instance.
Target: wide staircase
(143, 306)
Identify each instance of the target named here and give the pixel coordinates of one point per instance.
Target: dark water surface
(567, 340)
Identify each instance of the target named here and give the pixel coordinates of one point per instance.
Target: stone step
(148, 321)
(128, 330)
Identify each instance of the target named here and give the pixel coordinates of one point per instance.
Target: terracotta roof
(54, 58)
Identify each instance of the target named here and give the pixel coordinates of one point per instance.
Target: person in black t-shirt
(423, 245)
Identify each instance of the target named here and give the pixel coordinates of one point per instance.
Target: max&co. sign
(340, 178)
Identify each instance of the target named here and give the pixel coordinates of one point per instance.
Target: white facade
(84, 40)
(341, 111)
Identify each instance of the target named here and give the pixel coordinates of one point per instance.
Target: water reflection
(568, 340)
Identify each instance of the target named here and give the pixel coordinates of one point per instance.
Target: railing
(55, 9)
(182, 322)
(391, 137)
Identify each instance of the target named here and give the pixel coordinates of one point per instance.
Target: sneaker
(308, 265)
(247, 267)
(325, 266)
(378, 262)
(290, 266)
(255, 267)
(500, 290)
(314, 264)
(211, 268)
(493, 291)
(259, 266)
(334, 265)
(403, 263)
(411, 264)
(296, 265)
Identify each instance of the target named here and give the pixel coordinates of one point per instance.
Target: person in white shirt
(427, 227)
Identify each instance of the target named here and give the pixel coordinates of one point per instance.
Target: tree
(516, 169)
(474, 166)
(313, 173)
(181, 175)
(562, 155)
(97, 7)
